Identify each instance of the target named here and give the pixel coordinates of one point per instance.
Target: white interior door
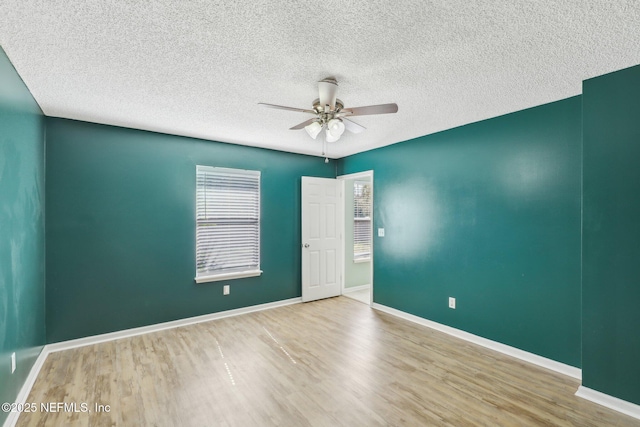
(321, 240)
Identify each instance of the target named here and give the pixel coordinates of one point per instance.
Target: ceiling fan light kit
(331, 114)
(335, 129)
(313, 129)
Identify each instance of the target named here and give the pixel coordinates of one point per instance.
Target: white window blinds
(361, 220)
(227, 222)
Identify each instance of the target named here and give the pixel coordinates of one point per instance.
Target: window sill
(228, 276)
(361, 260)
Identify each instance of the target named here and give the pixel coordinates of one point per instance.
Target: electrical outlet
(13, 362)
(380, 232)
(452, 302)
(225, 290)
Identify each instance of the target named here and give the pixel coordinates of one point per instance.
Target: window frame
(366, 257)
(212, 276)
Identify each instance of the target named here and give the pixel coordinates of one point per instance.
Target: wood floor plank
(334, 362)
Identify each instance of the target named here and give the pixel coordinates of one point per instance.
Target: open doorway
(358, 236)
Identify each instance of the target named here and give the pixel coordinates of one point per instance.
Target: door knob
(306, 245)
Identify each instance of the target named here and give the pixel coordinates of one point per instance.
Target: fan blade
(280, 107)
(370, 109)
(352, 127)
(303, 124)
(327, 89)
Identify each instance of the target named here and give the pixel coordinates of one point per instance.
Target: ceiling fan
(330, 113)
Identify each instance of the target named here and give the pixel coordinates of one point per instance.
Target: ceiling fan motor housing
(324, 116)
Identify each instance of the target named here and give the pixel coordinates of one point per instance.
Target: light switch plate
(380, 232)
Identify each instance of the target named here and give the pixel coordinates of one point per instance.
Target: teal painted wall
(488, 213)
(22, 294)
(611, 233)
(121, 227)
(355, 273)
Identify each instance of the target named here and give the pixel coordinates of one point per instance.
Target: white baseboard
(356, 289)
(81, 342)
(610, 402)
(605, 400)
(95, 339)
(553, 365)
(26, 387)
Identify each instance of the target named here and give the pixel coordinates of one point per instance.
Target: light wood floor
(333, 362)
(364, 296)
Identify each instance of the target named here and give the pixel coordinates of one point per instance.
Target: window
(227, 223)
(361, 221)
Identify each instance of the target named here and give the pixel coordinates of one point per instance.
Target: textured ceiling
(199, 68)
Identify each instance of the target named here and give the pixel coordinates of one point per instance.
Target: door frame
(343, 178)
